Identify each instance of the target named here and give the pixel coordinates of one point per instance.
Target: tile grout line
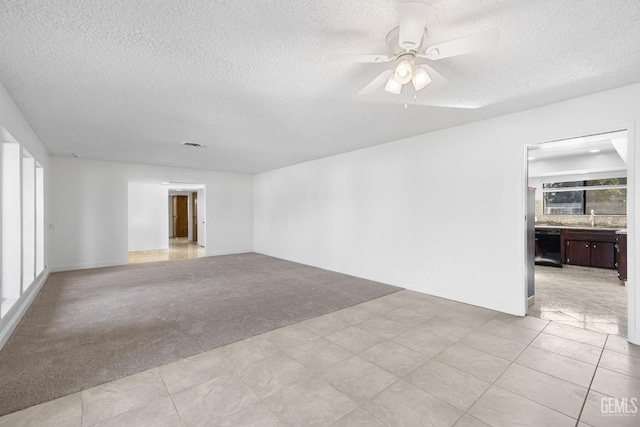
(262, 400)
(591, 382)
(171, 397)
(498, 377)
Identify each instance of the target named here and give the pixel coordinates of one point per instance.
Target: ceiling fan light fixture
(420, 79)
(393, 86)
(403, 72)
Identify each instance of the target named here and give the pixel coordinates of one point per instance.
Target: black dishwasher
(548, 247)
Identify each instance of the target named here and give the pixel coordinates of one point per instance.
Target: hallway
(179, 248)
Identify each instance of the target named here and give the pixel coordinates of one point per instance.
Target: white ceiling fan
(407, 47)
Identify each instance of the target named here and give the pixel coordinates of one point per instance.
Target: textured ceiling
(252, 81)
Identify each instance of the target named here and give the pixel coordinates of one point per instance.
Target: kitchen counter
(586, 227)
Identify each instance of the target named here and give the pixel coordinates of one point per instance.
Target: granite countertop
(585, 227)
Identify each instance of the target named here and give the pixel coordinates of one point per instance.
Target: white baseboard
(10, 322)
(84, 266)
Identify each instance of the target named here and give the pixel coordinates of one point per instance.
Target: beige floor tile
(65, 411)
(593, 414)
(221, 397)
(406, 297)
(601, 327)
(475, 362)
(423, 341)
(319, 355)
(193, 370)
(557, 316)
(381, 305)
(408, 317)
(500, 407)
(471, 317)
(269, 376)
(355, 339)
(512, 332)
(621, 363)
(257, 414)
(243, 353)
(179, 248)
(493, 344)
(469, 421)
(358, 378)
(621, 345)
(446, 328)
(290, 336)
(325, 325)
(117, 397)
(358, 418)
(607, 327)
(157, 414)
(615, 384)
(576, 334)
(383, 327)
(562, 367)
(529, 322)
(310, 403)
(569, 348)
(549, 391)
(404, 404)
(450, 384)
(354, 315)
(395, 358)
(431, 307)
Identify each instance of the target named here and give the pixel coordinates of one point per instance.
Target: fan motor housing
(393, 38)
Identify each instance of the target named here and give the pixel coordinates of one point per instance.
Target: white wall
(89, 211)
(435, 213)
(147, 219)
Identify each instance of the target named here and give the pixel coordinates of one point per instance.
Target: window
(603, 196)
(22, 243)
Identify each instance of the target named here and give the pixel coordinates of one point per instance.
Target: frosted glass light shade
(421, 78)
(393, 86)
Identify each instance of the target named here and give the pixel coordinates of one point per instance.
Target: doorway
(580, 231)
(166, 221)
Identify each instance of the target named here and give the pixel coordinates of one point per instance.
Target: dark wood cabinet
(577, 252)
(621, 250)
(603, 254)
(590, 248)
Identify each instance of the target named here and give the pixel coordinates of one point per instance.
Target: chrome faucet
(592, 218)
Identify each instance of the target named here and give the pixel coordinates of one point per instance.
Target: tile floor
(179, 248)
(406, 359)
(584, 297)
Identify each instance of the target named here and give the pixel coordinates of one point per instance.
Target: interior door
(181, 216)
(194, 213)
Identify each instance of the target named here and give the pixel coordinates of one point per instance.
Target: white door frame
(633, 334)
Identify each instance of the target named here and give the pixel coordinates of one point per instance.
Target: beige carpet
(89, 327)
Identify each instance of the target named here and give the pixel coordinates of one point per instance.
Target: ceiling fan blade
(436, 77)
(413, 20)
(376, 83)
(469, 44)
(359, 58)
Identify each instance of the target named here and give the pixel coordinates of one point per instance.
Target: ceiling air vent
(192, 144)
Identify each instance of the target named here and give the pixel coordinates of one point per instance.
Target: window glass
(588, 195)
